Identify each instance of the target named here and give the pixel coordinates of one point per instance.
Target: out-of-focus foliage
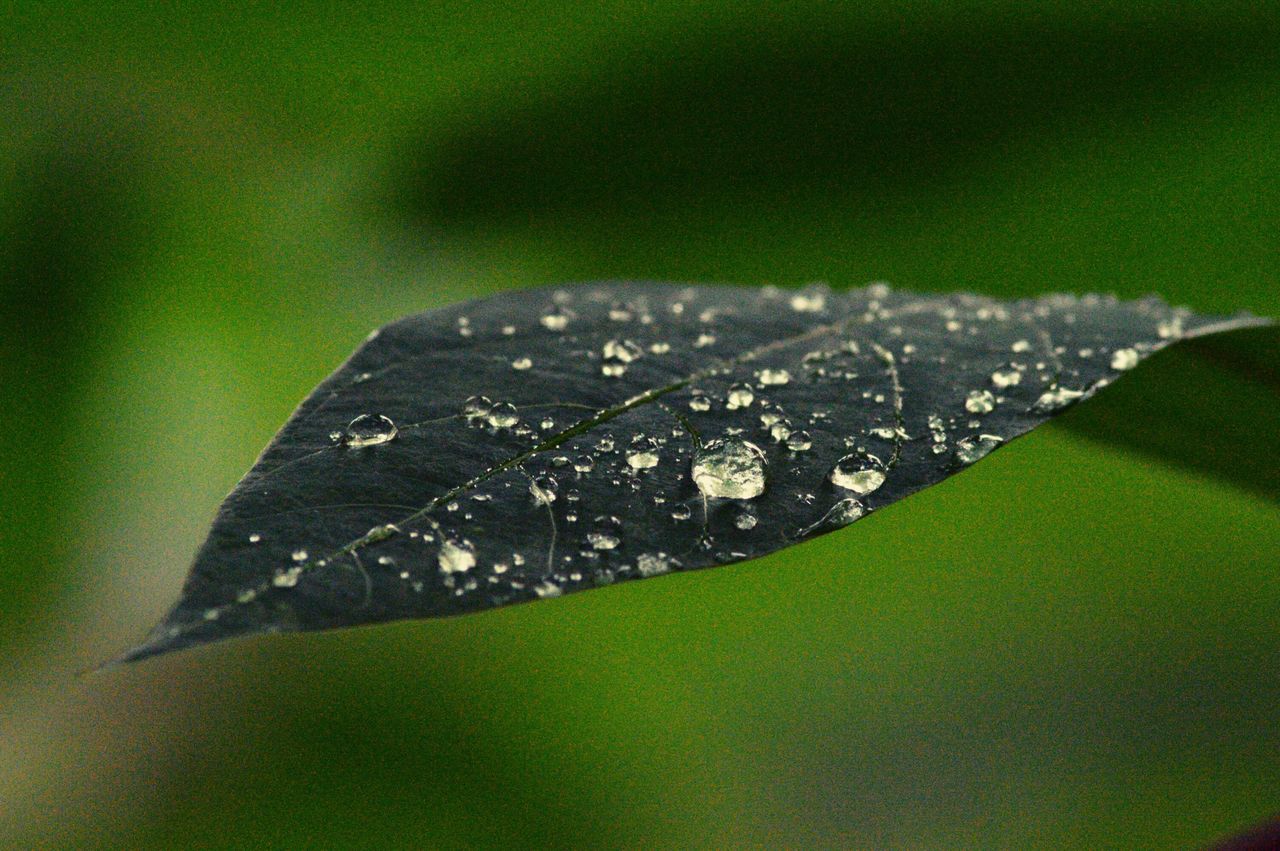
(202, 209)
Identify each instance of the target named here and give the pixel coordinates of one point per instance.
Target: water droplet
(613, 370)
(521, 363)
(681, 512)
(546, 589)
(773, 377)
(1021, 346)
(584, 463)
(1003, 378)
(502, 415)
(888, 433)
(854, 474)
(255, 538)
(299, 555)
(554, 321)
(653, 564)
(547, 424)
(700, 403)
(971, 449)
(704, 340)
(602, 540)
(842, 513)
(799, 441)
(605, 444)
(476, 407)
(729, 467)
(369, 430)
(621, 350)
(660, 348)
(642, 459)
(456, 557)
(286, 578)
(740, 396)
(845, 512)
(745, 521)
(809, 302)
(1124, 359)
(543, 489)
(980, 402)
(1056, 398)
(780, 431)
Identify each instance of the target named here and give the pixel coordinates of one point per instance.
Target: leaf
(543, 442)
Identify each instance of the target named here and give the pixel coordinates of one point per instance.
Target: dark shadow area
(69, 222)
(1211, 405)
(766, 114)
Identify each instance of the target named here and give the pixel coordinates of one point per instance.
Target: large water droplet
(729, 467)
(369, 430)
(853, 473)
(521, 363)
(456, 556)
(503, 415)
(476, 407)
(700, 403)
(745, 521)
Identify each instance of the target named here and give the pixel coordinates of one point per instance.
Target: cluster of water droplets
(481, 410)
(733, 402)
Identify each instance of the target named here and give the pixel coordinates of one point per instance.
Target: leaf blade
(612, 433)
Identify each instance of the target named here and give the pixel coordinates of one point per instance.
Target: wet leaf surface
(543, 442)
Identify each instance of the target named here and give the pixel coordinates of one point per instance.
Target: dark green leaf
(544, 442)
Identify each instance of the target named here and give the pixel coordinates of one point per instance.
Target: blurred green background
(204, 209)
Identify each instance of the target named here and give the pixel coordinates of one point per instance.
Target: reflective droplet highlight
(456, 557)
(369, 430)
(729, 468)
(854, 474)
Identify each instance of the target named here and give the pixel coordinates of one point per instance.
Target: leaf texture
(543, 442)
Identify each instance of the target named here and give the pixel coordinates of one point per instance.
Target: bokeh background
(205, 207)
